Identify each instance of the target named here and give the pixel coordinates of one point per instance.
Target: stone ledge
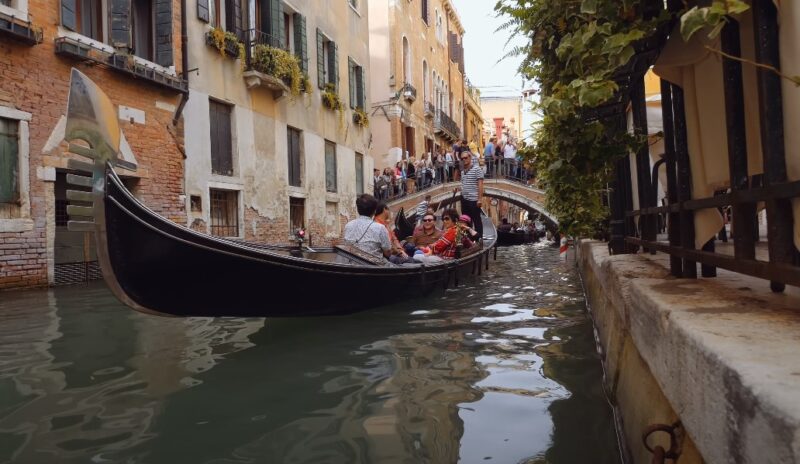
(724, 351)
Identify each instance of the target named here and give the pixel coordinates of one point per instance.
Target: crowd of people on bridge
(500, 159)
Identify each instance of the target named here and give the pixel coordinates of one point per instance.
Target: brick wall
(35, 80)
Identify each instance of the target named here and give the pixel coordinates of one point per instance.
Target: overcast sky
(483, 46)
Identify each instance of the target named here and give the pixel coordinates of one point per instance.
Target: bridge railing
(394, 188)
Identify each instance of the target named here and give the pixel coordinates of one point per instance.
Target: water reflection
(502, 369)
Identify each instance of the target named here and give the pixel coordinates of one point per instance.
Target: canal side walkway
(720, 354)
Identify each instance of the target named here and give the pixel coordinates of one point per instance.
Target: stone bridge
(526, 197)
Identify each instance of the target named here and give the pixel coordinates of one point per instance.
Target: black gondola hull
(510, 238)
(168, 269)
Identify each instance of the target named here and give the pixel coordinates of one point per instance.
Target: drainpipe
(184, 63)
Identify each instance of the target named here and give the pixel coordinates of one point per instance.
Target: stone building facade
(138, 63)
(502, 117)
(473, 115)
(263, 161)
(418, 82)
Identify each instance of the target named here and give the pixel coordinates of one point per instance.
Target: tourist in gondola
(383, 216)
(504, 226)
(424, 235)
(447, 245)
(364, 232)
(464, 224)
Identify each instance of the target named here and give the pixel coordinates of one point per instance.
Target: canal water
(502, 369)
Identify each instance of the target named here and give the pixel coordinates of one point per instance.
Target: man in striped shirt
(472, 190)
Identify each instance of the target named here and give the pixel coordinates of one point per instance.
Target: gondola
(157, 266)
(510, 238)
(404, 226)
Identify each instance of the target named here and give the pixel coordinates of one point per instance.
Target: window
(294, 157)
(221, 138)
(297, 214)
(425, 10)
(406, 61)
(9, 160)
(439, 27)
(426, 91)
(330, 167)
(141, 27)
(142, 34)
(327, 61)
(358, 89)
(224, 213)
(359, 173)
(270, 22)
(234, 16)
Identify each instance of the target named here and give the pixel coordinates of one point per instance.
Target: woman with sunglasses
(447, 245)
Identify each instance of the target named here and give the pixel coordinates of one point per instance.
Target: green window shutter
(163, 13)
(335, 64)
(202, 11)
(362, 97)
(351, 71)
(276, 23)
(9, 161)
(300, 42)
(68, 18)
(121, 23)
(320, 60)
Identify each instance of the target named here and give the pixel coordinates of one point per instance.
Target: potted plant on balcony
(226, 42)
(330, 98)
(279, 64)
(360, 118)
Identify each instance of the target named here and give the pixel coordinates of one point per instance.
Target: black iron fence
(745, 191)
(444, 123)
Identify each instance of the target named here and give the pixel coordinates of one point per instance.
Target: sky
(484, 46)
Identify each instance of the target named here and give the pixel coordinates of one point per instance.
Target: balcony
(20, 30)
(123, 63)
(262, 52)
(430, 110)
(445, 126)
(408, 92)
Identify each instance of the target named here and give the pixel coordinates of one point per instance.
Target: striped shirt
(422, 208)
(469, 182)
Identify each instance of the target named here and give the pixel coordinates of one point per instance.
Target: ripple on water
(469, 375)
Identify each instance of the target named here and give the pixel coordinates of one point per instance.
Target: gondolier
(472, 190)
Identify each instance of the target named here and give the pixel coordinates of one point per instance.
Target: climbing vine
(574, 51)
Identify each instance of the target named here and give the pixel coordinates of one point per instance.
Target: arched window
(426, 90)
(406, 61)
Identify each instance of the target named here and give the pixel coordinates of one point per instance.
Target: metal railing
(430, 110)
(746, 190)
(444, 123)
(408, 92)
(397, 187)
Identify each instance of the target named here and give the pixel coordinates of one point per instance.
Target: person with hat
(463, 225)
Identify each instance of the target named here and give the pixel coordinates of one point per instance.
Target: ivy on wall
(576, 51)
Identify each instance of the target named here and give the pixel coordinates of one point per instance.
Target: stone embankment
(722, 355)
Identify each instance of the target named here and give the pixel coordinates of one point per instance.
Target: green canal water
(502, 369)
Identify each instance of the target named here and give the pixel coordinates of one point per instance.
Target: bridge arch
(523, 196)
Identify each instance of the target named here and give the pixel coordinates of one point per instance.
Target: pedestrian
(488, 157)
(472, 191)
(510, 158)
(411, 176)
